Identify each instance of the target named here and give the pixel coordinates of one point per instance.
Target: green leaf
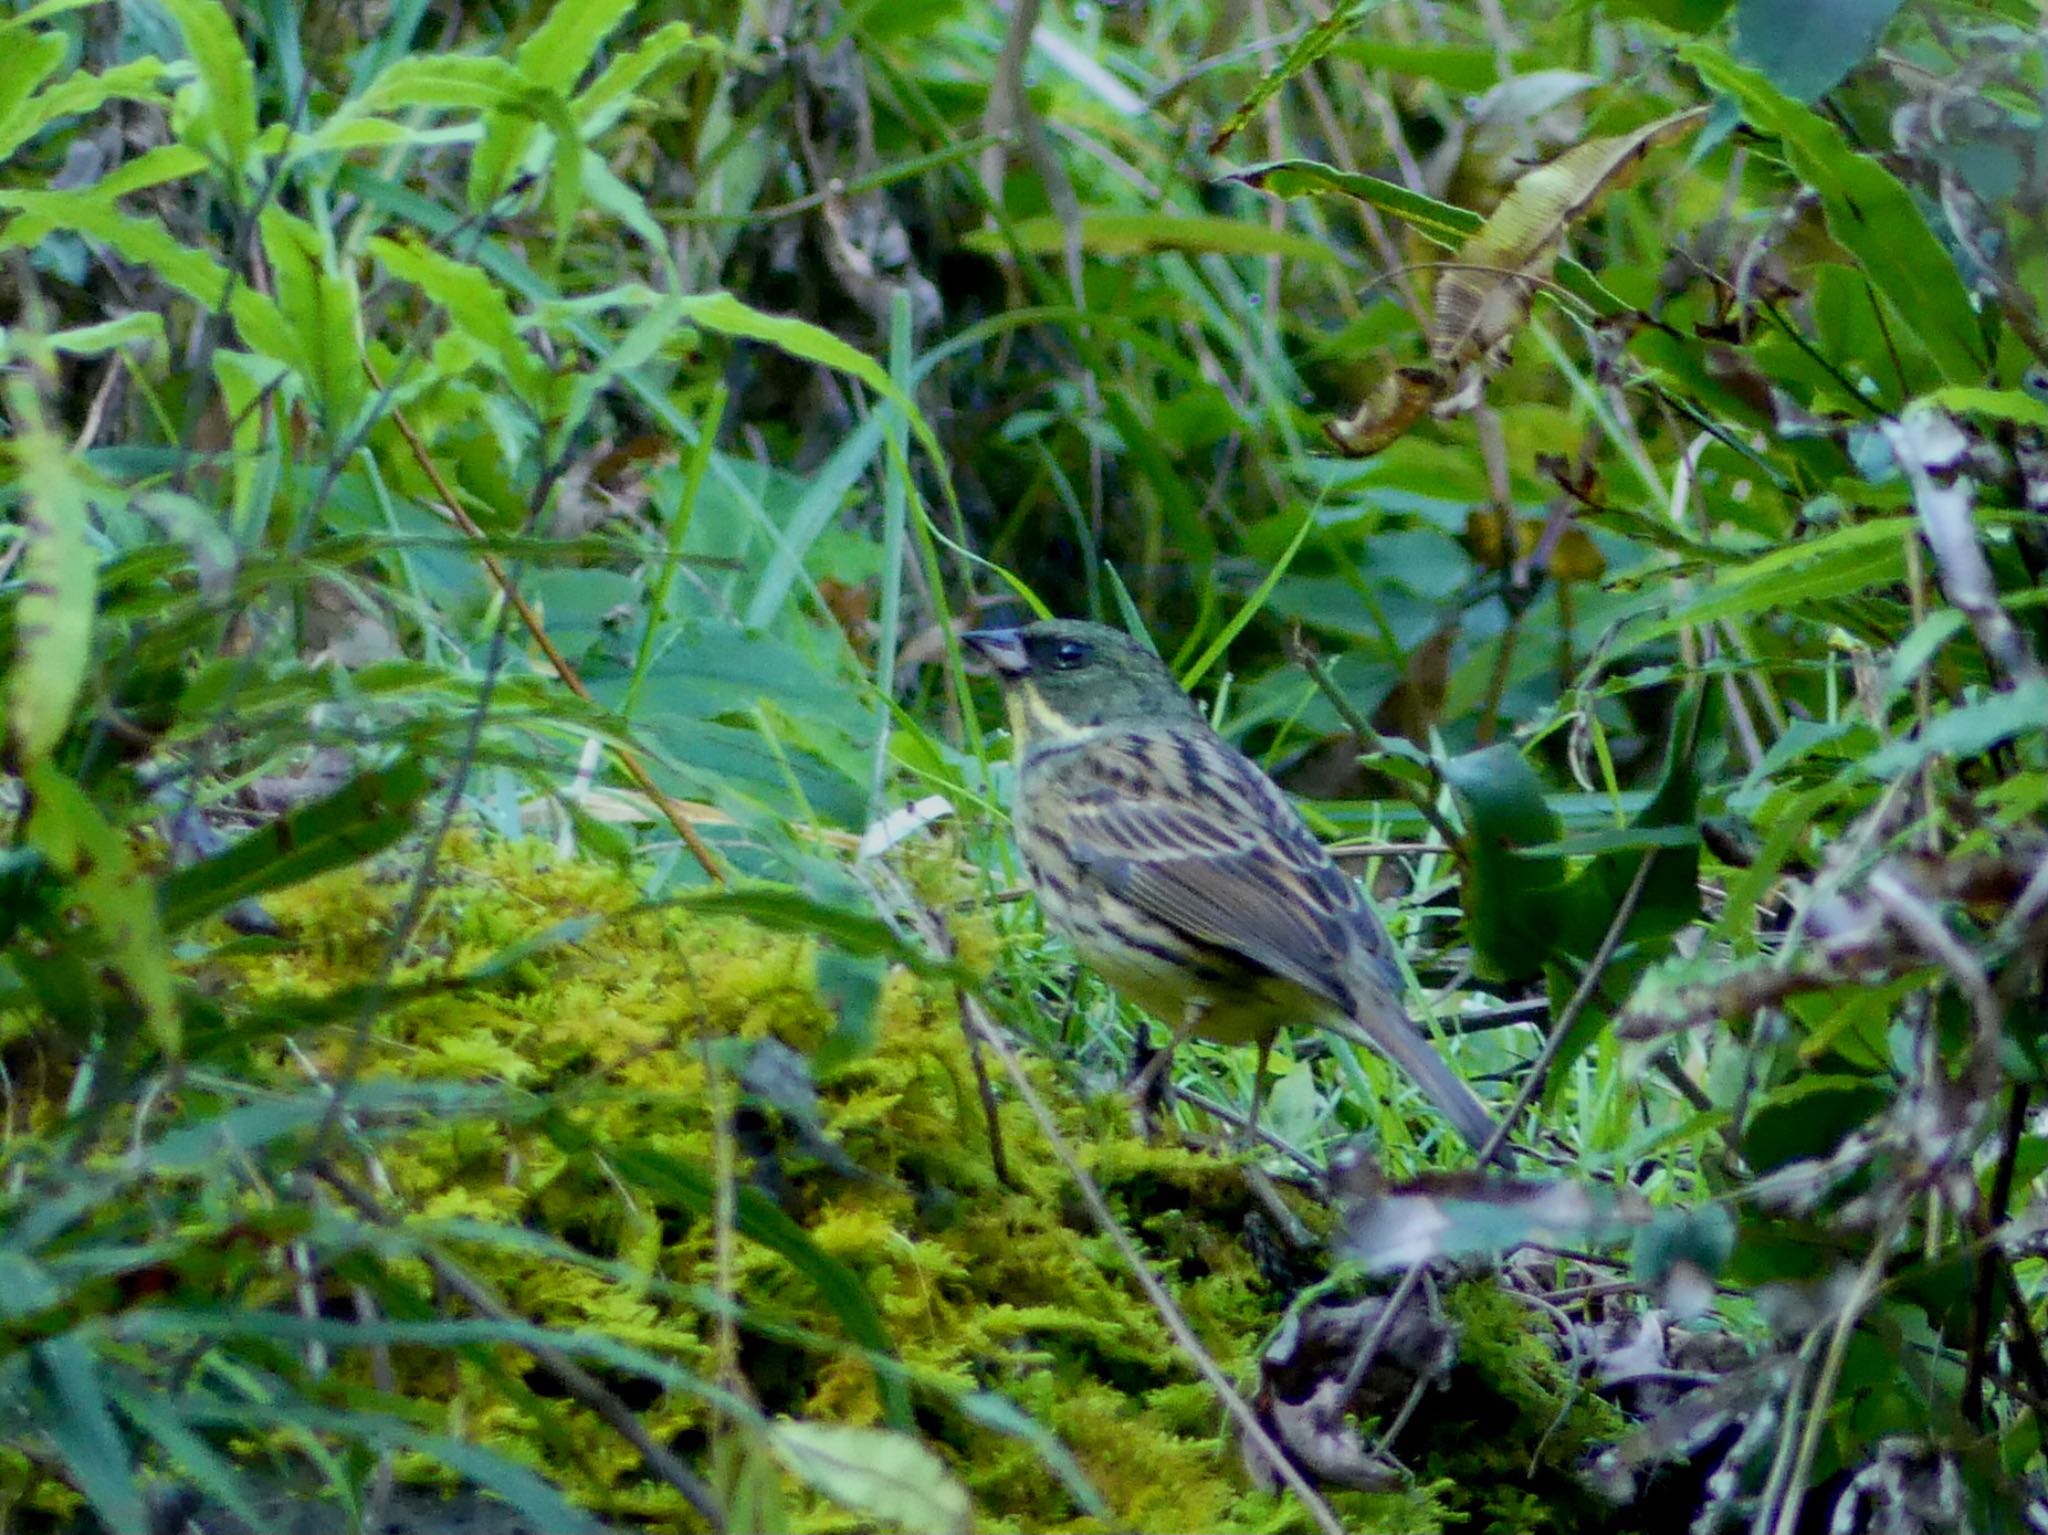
(142, 241)
(1670, 897)
(1142, 234)
(630, 70)
(1680, 15)
(562, 46)
(1511, 902)
(1310, 46)
(103, 878)
(1850, 559)
(222, 105)
(730, 316)
(361, 819)
(2013, 405)
(53, 619)
(883, 1475)
(822, 502)
(1869, 213)
(1442, 223)
(997, 1412)
(541, 1506)
(1807, 49)
(1964, 732)
(1471, 70)
(66, 1403)
(144, 326)
(319, 307)
(448, 81)
(25, 63)
(187, 1454)
(476, 306)
(134, 81)
(790, 911)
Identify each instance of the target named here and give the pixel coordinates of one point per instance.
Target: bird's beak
(1003, 649)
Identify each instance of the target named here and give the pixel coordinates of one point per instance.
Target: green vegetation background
(492, 492)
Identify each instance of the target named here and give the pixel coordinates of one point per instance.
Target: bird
(1181, 873)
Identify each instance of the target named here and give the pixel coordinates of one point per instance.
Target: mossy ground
(981, 1286)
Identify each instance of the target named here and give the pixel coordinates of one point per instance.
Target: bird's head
(1063, 676)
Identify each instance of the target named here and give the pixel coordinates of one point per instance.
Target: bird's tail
(1388, 1030)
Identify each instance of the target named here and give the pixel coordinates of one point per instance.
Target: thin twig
(1991, 1259)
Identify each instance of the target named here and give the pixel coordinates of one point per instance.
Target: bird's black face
(1061, 675)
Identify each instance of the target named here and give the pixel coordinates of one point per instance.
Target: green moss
(980, 1286)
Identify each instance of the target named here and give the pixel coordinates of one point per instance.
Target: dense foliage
(492, 496)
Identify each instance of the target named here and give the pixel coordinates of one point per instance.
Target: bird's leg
(1157, 1075)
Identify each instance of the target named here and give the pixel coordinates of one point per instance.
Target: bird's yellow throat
(1033, 721)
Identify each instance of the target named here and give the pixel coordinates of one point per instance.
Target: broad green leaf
(365, 816)
(1468, 69)
(1667, 903)
(449, 81)
(731, 316)
(1872, 216)
(222, 104)
(152, 168)
(1680, 15)
(42, 11)
(53, 621)
(821, 504)
(1142, 234)
(1807, 49)
(877, 1473)
(1670, 897)
(1512, 903)
(97, 865)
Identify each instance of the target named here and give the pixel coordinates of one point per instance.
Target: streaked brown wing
(1194, 835)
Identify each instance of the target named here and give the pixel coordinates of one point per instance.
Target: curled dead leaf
(1386, 414)
(1483, 297)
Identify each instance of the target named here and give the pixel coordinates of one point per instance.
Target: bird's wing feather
(1201, 840)
(1192, 834)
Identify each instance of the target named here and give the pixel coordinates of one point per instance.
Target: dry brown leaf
(1401, 400)
(1483, 299)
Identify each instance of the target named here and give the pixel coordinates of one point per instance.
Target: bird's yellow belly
(1148, 965)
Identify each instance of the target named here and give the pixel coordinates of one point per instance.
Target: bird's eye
(1069, 654)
